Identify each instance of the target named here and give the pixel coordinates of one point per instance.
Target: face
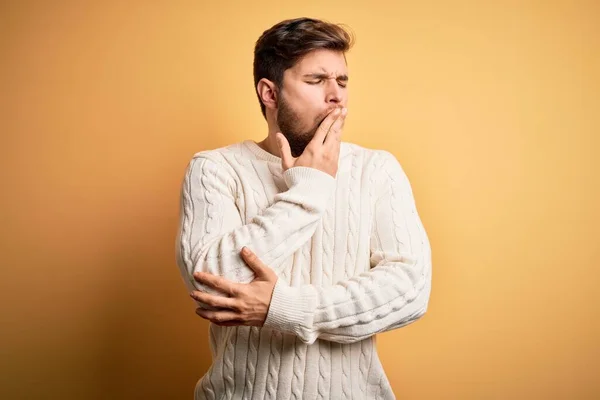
(311, 89)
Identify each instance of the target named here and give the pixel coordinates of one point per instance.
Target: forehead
(321, 61)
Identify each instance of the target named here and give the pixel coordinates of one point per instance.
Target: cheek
(307, 103)
(313, 102)
(311, 96)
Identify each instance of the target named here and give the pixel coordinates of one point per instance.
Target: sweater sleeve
(211, 230)
(394, 292)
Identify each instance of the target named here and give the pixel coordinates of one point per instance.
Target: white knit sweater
(351, 254)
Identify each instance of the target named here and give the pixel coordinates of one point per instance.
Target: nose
(334, 93)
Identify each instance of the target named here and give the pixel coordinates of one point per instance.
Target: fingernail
(245, 251)
(344, 111)
(336, 112)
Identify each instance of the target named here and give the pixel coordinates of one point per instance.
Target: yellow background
(491, 107)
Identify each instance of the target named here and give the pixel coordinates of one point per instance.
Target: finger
(287, 159)
(255, 264)
(233, 322)
(219, 317)
(324, 127)
(215, 301)
(216, 282)
(334, 136)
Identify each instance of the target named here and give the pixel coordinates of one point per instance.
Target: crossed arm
(234, 289)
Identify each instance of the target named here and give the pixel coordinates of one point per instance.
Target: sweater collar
(262, 154)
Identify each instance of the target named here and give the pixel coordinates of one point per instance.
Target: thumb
(287, 160)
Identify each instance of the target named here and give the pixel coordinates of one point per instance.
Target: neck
(270, 142)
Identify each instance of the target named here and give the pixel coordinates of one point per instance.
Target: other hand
(247, 304)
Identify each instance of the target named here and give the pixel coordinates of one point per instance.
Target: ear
(267, 91)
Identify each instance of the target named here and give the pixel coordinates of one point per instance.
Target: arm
(393, 293)
(211, 232)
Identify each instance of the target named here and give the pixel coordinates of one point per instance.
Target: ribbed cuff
(296, 175)
(312, 186)
(290, 309)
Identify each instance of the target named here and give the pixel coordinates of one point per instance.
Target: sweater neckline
(262, 154)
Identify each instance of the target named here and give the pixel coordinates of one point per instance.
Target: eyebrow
(343, 78)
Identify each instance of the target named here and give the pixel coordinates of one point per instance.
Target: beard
(290, 125)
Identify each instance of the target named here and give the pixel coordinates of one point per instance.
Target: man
(336, 251)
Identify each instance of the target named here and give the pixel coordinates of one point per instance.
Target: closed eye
(342, 84)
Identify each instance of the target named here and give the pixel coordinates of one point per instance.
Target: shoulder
(370, 158)
(215, 164)
(221, 155)
(381, 166)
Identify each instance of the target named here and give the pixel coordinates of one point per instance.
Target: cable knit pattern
(359, 232)
(228, 358)
(252, 350)
(274, 362)
(306, 258)
(350, 263)
(324, 371)
(363, 365)
(204, 389)
(346, 377)
(327, 243)
(298, 369)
